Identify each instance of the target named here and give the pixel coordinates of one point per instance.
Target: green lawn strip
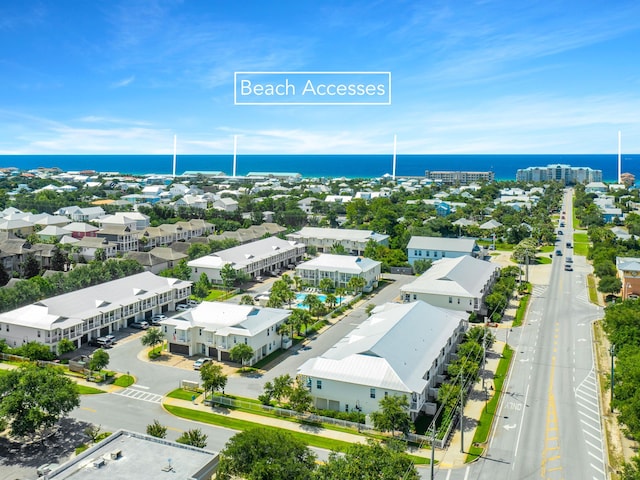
(84, 390)
(522, 309)
(214, 295)
(183, 394)
(543, 260)
(241, 425)
(581, 249)
(593, 292)
(263, 362)
(580, 238)
(124, 381)
(547, 248)
(488, 413)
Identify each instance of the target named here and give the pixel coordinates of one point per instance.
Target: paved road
(549, 421)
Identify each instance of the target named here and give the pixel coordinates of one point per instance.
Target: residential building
(340, 269)
(77, 214)
(87, 247)
(250, 234)
(94, 311)
(459, 177)
(253, 258)
(629, 275)
(133, 220)
(81, 230)
(124, 454)
(16, 228)
(157, 259)
(213, 328)
(434, 248)
(226, 204)
(565, 174)
(401, 349)
(460, 283)
(353, 241)
(124, 237)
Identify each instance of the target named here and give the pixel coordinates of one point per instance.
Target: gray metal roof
(464, 245)
(392, 349)
(461, 276)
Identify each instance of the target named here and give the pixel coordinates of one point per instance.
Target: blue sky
(488, 76)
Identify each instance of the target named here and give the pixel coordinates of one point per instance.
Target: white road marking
(515, 452)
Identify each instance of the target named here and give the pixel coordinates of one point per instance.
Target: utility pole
(461, 421)
(484, 353)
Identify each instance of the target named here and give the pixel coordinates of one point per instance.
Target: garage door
(177, 348)
(224, 356)
(213, 353)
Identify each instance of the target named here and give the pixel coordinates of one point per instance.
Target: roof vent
(116, 454)
(98, 462)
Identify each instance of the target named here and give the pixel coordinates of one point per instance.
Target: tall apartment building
(459, 177)
(560, 173)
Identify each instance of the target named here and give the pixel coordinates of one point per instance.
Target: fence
(310, 417)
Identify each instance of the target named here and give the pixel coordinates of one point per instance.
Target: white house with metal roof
(434, 248)
(254, 258)
(402, 349)
(460, 283)
(93, 311)
(353, 241)
(340, 269)
(213, 328)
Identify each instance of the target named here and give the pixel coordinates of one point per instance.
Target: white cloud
(124, 82)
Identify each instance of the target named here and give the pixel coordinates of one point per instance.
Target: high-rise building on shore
(559, 173)
(460, 177)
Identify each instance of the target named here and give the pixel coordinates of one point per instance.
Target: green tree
(246, 300)
(393, 415)
(197, 250)
(265, 454)
(228, 275)
(58, 260)
(326, 285)
(99, 360)
(338, 249)
(356, 284)
(156, 429)
(609, 284)
(315, 306)
(300, 399)
(202, 286)
(282, 387)
(242, 353)
(212, 377)
(33, 399)
(31, 267)
(152, 337)
(100, 255)
(421, 266)
(302, 318)
(331, 300)
(35, 351)
(193, 437)
(65, 346)
(365, 461)
(4, 276)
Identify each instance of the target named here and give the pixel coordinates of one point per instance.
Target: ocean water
(349, 166)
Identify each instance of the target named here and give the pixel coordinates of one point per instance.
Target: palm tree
(341, 292)
(297, 281)
(326, 285)
(153, 337)
(331, 300)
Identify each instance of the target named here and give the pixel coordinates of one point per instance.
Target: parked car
(111, 338)
(143, 325)
(46, 469)
(155, 320)
(193, 303)
(259, 279)
(101, 342)
(197, 365)
(182, 307)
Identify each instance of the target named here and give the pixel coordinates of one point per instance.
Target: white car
(197, 365)
(182, 307)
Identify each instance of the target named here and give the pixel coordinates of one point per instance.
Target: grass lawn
(124, 381)
(486, 419)
(581, 244)
(547, 248)
(268, 359)
(241, 425)
(593, 292)
(215, 294)
(543, 260)
(84, 390)
(522, 308)
(183, 394)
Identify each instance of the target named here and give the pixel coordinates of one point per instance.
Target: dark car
(568, 267)
(560, 232)
(569, 245)
(558, 253)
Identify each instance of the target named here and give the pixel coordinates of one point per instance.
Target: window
(245, 341)
(38, 333)
(443, 254)
(372, 393)
(200, 331)
(386, 394)
(435, 254)
(450, 299)
(319, 384)
(458, 301)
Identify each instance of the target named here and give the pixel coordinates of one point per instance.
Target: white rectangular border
(263, 104)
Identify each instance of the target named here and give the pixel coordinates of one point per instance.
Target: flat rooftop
(125, 455)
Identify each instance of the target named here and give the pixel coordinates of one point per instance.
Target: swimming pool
(322, 297)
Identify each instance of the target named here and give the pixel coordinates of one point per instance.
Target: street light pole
(461, 421)
(433, 448)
